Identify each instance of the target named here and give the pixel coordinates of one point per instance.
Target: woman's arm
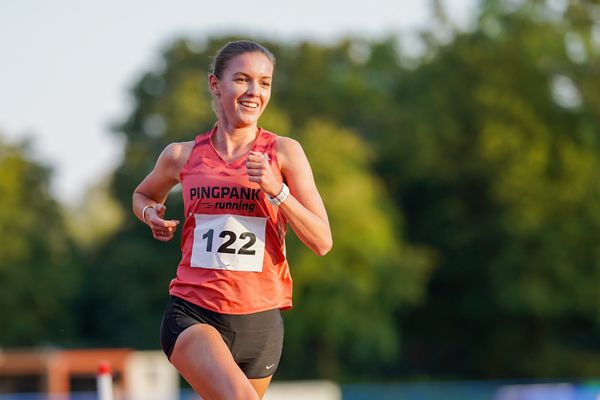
(304, 208)
(149, 196)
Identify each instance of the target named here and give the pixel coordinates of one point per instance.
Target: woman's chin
(248, 120)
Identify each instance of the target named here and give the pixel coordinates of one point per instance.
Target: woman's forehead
(251, 63)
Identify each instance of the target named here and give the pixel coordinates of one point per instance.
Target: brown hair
(234, 49)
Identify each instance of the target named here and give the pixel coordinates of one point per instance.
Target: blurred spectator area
(136, 374)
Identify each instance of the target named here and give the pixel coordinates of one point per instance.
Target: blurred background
(456, 145)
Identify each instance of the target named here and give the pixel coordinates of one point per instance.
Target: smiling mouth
(248, 104)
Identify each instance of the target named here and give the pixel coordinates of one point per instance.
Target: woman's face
(244, 90)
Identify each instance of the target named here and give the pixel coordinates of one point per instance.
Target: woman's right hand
(162, 229)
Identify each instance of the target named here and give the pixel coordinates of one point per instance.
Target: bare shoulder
(286, 143)
(176, 154)
(288, 150)
(291, 157)
(172, 159)
(177, 150)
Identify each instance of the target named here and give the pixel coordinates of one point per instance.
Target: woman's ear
(213, 84)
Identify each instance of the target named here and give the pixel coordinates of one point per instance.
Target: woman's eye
(240, 80)
(266, 84)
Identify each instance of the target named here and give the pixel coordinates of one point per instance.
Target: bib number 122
(227, 247)
(229, 242)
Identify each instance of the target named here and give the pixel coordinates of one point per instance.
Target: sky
(67, 66)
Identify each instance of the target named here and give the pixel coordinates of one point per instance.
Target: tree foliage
(37, 259)
(503, 183)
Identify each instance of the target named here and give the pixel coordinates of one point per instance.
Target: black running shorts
(255, 340)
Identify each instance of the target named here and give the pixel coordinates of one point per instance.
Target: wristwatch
(281, 196)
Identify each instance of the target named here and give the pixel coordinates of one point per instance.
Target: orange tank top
(233, 240)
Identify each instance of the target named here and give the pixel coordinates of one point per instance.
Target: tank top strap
(199, 153)
(202, 139)
(265, 140)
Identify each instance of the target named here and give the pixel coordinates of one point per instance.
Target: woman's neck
(234, 143)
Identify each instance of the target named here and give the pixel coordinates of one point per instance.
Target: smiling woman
(243, 92)
(241, 86)
(241, 186)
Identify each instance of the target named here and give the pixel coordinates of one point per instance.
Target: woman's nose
(252, 88)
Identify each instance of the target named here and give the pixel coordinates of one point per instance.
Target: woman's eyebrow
(248, 75)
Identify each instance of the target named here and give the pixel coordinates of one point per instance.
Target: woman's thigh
(261, 385)
(205, 361)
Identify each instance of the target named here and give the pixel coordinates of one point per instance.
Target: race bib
(229, 242)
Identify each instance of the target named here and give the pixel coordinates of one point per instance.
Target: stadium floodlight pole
(104, 383)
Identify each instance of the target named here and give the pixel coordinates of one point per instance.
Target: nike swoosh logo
(271, 366)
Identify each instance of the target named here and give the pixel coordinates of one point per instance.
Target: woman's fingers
(259, 171)
(256, 156)
(257, 164)
(163, 236)
(164, 230)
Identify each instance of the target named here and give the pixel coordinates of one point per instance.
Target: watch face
(280, 197)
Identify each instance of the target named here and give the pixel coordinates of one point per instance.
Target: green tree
(503, 183)
(96, 219)
(37, 262)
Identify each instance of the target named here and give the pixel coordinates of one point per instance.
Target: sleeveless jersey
(233, 240)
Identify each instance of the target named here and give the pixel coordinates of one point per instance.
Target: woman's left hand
(259, 171)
